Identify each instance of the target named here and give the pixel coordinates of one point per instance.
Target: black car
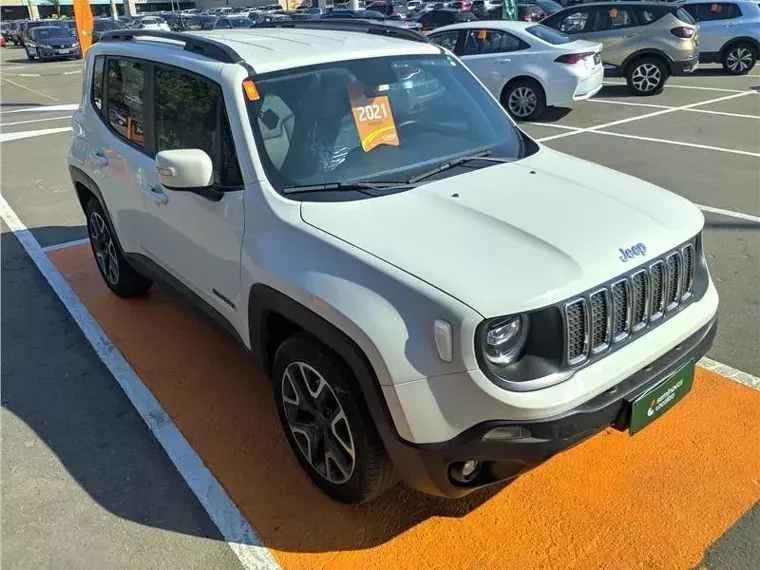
(102, 25)
(437, 18)
(228, 22)
(530, 12)
(50, 42)
(351, 14)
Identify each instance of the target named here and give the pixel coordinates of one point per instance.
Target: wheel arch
(86, 188)
(647, 52)
(522, 76)
(740, 40)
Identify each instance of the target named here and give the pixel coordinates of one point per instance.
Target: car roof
(274, 49)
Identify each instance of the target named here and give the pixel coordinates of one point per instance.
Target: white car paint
(484, 243)
(562, 83)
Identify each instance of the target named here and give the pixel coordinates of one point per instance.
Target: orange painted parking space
(654, 501)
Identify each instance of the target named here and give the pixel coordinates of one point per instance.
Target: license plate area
(658, 400)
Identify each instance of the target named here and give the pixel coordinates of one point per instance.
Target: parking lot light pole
(34, 14)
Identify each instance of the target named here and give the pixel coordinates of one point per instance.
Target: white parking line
(34, 121)
(677, 143)
(698, 87)
(648, 115)
(66, 244)
(731, 214)
(729, 372)
(650, 105)
(7, 137)
(45, 108)
(233, 526)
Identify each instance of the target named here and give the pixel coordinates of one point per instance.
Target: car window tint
(97, 83)
(648, 15)
(614, 18)
(126, 82)
(446, 39)
(548, 34)
(573, 23)
(711, 11)
(187, 111)
(479, 42)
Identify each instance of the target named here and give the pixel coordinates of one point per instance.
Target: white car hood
(517, 236)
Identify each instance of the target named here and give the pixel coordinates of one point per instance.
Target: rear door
(717, 23)
(617, 29)
(494, 56)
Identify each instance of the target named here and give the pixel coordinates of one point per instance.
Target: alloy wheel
(522, 102)
(646, 77)
(739, 60)
(104, 248)
(318, 423)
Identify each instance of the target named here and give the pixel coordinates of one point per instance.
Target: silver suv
(729, 33)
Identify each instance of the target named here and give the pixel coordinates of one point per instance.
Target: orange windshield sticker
(613, 13)
(373, 118)
(250, 90)
(482, 34)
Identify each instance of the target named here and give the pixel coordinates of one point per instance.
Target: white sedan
(527, 66)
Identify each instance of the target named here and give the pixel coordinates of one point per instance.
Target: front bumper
(55, 53)
(428, 467)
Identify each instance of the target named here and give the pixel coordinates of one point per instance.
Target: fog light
(469, 468)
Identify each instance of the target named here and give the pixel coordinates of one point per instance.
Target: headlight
(504, 339)
(43, 46)
(75, 44)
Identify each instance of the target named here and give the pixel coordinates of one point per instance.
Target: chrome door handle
(156, 195)
(99, 158)
(504, 60)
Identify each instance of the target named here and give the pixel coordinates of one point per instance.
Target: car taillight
(683, 32)
(572, 58)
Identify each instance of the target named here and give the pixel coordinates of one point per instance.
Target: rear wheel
(118, 274)
(524, 99)
(327, 424)
(646, 76)
(739, 59)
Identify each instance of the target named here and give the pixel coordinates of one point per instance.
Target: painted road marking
(597, 131)
(46, 108)
(35, 91)
(729, 372)
(648, 115)
(35, 121)
(7, 137)
(650, 501)
(650, 105)
(64, 245)
(699, 88)
(243, 540)
(730, 213)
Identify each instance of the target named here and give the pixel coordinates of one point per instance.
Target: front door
(195, 239)
(617, 29)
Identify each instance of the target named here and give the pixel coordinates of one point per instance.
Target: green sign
(651, 405)
(509, 10)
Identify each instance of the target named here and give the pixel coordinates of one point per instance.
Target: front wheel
(739, 59)
(524, 99)
(115, 270)
(646, 76)
(327, 424)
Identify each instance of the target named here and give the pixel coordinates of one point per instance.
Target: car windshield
(376, 120)
(549, 34)
(240, 22)
(104, 25)
(50, 33)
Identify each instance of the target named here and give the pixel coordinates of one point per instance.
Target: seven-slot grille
(610, 314)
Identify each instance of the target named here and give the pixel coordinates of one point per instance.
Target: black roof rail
(196, 44)
(349, 25)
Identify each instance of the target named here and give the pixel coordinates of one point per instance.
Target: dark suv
(438, 18)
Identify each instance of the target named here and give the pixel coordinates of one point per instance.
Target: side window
(647, 15)
(709, 12)
(480, 42)
(614, 19)
(97, 83)
(574, 23)
(124, 99)
(188, 108)
(447, 40)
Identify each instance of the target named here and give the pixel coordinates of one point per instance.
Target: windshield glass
(374, 120)
(549, 34)
(104, 25)
(49, 33)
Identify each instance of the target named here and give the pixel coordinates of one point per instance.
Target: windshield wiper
(456, 162)
(360, 186)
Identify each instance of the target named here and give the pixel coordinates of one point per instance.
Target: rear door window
(614, 18)
(126, 84)
(712, 11)
(482, 42)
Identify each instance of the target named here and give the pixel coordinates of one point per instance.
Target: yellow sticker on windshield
(482, 34)
(373, 118)
(613, 12)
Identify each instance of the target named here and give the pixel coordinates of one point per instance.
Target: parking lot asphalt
(700, 138)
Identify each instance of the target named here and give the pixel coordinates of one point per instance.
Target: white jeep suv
(436, 297)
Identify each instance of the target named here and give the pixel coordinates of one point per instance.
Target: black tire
(371, 472)
(739, 58)
(646, 76)
(523, 99)
(118, 274)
